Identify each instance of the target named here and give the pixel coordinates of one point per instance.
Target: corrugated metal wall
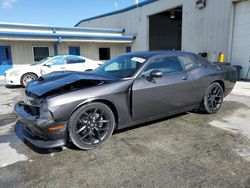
(91, 50)
(22, 51)
(203, 30)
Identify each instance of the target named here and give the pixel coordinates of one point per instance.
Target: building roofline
(67, 36)
(118, 11)
(89, 29)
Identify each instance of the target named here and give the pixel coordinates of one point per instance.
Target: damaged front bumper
(40, 132)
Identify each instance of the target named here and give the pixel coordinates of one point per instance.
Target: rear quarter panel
(229, 75)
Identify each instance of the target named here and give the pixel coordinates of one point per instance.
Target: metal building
(25, 44)
(210, 27)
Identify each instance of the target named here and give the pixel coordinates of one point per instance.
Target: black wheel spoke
(92, 139)
(102, 128)
(98, 134)
(94, 113)
(103, 121)
(209, 101)
(100, 115)
(212, 102)
(84, 136)
(215, 90)
(88, 116)
(81, 122)
(81, 129)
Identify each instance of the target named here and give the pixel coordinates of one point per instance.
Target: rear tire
(213, 98)
(26, 78)
(91, 125)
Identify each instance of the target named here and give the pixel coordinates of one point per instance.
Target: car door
(196, 82)
(160, 96)
(53, 65)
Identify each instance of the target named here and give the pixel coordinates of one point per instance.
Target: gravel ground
(186, 150)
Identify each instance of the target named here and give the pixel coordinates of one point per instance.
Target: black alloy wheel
(213, 99)
(91, 125)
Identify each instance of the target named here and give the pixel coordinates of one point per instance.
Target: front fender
(63, 105)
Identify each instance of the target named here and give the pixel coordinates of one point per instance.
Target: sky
(57, 12)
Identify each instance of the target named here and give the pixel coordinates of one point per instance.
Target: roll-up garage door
(241, 37)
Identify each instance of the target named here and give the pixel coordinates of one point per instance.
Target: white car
(22, 75)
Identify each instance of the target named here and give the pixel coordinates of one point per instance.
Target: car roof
(149, 54)
(66, 56)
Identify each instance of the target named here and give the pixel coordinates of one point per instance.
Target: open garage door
(241, 37)
(165, 30)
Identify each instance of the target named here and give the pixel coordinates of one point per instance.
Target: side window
(188, 62)
(74, 60)
(165, 65)
(57, 61)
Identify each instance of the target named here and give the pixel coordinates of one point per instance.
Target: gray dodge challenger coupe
(86, 108)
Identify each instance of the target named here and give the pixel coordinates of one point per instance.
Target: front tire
(26, 78)
(91, 125)
(213, 99)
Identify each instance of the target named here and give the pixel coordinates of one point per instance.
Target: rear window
(188, 62)
(74, 60)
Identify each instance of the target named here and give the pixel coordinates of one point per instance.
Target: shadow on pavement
(11, 86)
(71, 146)
(149, 123)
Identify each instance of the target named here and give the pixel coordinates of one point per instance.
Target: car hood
(23, 67)
(62, 81)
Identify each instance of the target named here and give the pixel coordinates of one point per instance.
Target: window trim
(33, 54)
(140, 75)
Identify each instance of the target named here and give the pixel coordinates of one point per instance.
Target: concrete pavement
(187, 150)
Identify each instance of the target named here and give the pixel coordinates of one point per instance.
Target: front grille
(32, 110)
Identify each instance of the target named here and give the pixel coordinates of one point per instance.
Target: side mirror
(47, 65)
(156, 74)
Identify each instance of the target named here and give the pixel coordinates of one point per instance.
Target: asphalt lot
(187, 150)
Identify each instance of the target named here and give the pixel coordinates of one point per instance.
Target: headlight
(14, 73)
(45, 116)
(44, 111)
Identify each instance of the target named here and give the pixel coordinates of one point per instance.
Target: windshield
(42, 61)
(123, 66)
